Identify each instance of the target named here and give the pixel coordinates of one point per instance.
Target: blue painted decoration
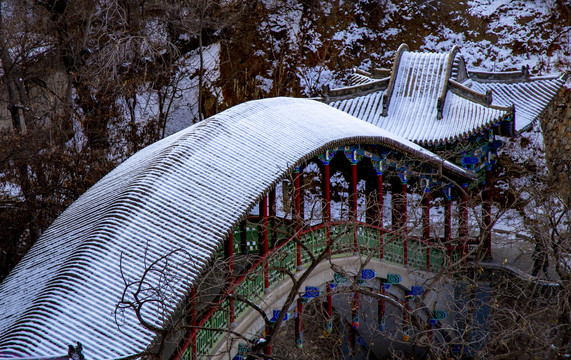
(367, 274)
(311, 292)
(393, 279)
(355, 322)
(338, 278)
(416, 290)
(276, 315)
(439, 314)
(361, 341)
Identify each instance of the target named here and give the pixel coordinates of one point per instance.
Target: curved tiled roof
(184, 192)
(530, 96)
(430, 98)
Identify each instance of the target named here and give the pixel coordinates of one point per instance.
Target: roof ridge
(394, 72)
(440, 102)
(473, 95)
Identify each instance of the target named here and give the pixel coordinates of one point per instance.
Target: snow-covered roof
(184, 194)
(431, 99)
(529, 96)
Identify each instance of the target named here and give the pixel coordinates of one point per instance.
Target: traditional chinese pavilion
(424, 130)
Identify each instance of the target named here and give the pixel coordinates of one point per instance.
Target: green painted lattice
(316, 242)
(342, 237)
(437, 258)
(416, 255)
(394, 250)
(368, 239)
(252, 288)
(206, 340)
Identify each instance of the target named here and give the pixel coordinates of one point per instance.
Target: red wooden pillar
(299, 325)
(229, 254)
(406, 320)
(298, 216)
(301, 196)
(404, 191)
(326, 211)
(380, 205)
(264, 238)
(355, 311)
(426, 225)
(381, 306)
(353, 205)
(487, 215)
(329, 310)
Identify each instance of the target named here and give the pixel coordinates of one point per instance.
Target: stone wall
(556, 127)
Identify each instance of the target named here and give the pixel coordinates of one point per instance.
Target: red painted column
(329, 310)
(269, 346)
(426, 225)
(381, 306)
(326, 194)
(380, 205)
(301, 195)
(353, 205)
(298, 216)
(264, 238)
(404, 222)
(229, 254)
(299, 325)
(355, 311)
(487, 215)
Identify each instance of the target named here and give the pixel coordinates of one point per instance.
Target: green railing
(420, 255)
(251, 288)
(206, 339)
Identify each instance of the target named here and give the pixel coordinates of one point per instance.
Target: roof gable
(431, 98)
